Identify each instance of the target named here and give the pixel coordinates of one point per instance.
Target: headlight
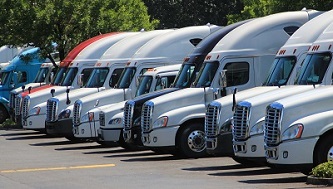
(258, 128)
(116, 121)
(87, 117)
(226, 126)
(102, 119)
(161, 122)
(35, 111)
(293, 132)
(64, 114)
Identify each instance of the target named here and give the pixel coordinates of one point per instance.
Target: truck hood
(139, 100)
(178, 99)
(259, 103)
(73, 96)
(304, 104)
(32, 85)
(109, 96)
(227, 102)
(43, 95)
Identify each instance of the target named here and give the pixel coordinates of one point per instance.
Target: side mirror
(52, 92)
(223, 79)
(80, 80)
(51, 77)
(14, 80)
(23, 87)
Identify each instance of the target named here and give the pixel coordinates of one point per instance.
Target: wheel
(191, 141)
(3, 114)
(324, 151)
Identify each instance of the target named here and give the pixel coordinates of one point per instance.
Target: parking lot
(31, 159)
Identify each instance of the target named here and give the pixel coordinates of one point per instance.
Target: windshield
(206, 74)
(41, 75)
(126, 77)
(185, 76)
(144, 86)
(280, 71)
(314, 69)
(69, 77)
(60, 75)
(4, 77)
(97, 77)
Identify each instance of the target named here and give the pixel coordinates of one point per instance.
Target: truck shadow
(132, 154)
(259, 171)
(20, 133)
(55, 143)
(299, 179)
(216, 168)
(29, 137)
(97, 146)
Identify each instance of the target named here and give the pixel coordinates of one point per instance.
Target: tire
(323, 151)
(3, 114)
(191, 141)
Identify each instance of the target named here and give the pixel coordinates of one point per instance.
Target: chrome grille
(77, 112)
(25, 106)
(272, 124)
(128, 114)
(102, 118)
(212, 119)
(17, 105)
(12, 100)
(51, 109)
(146, 116)
(241, 119)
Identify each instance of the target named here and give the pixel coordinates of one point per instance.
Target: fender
(5, 102)
(316, 124)
(179, 116)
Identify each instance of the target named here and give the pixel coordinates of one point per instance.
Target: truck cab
(298, 129)
(20, 71)
(286, 66)
(33, 117)
(166, 49)
(241, 59)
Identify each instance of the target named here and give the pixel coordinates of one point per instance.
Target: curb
(319, 181)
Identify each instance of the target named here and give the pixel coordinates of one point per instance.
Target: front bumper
(133, 136)
(220, 145)
(63, 128)
(35, 122)
(161, 137)
(253, 147)
(108, 134)
(86, 130)
(293, 152)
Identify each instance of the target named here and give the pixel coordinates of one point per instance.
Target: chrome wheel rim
(196, 141)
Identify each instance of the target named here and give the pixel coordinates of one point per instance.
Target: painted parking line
(59, 168)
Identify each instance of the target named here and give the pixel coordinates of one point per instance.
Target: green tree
(67, 23)
(259, 8)
(180, 13)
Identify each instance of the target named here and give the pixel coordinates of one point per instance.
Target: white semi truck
(248, 116)
(33, 117)
(176, 120)
(298, 129)
(166, 49)
(105, 76)
(108, 127)
(15, 104)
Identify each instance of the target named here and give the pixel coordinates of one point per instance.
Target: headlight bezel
(258, 128)
(160, 122)
(64, 114)
(293, 132)
(35, 110)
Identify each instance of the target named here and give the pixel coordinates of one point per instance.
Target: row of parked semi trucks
(256, 90)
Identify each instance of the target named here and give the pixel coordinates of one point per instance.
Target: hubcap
(330, 154)
(196, 141)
